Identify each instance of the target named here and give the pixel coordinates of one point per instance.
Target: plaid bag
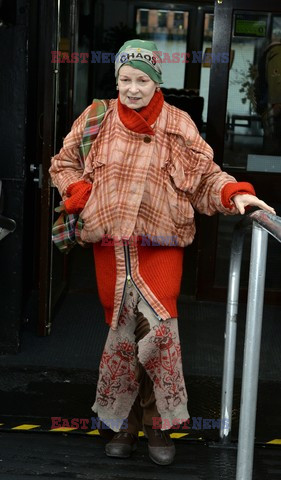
(66, 230)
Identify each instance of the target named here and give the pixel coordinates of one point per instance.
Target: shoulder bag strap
(93, 122)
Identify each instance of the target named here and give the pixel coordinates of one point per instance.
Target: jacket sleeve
(194, 172)
(216, 188)
(239, 188)
(208, 196)
(65, 166)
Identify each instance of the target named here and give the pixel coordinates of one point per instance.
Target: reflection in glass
(205, 72)
(253, 118)
(168, 28)
(276, 29)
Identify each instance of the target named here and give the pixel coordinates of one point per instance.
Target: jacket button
(147, 139)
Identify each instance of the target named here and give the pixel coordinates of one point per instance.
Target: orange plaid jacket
(142, 186)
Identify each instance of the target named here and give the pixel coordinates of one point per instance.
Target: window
(162, 19)
(168, 28)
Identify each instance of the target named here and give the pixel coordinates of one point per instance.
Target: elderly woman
(146, 171)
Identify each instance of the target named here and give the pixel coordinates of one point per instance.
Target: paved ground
(57, 375)
(54, 456)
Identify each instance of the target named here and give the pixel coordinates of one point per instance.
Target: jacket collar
(172, 125)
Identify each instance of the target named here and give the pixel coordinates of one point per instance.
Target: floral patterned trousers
(140, 373)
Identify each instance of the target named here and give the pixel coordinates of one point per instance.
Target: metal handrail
(263, 223)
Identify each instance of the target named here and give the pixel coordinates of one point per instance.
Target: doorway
(244, 128)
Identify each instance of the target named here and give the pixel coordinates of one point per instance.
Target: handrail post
(230, 335)
(251, 353)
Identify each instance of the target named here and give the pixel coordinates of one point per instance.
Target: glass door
(244, 128)
(169, 29)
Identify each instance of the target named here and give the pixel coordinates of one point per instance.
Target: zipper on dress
(129, 279)
(122, 301)
(127, 264)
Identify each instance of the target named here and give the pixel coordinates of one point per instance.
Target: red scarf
(140, 122)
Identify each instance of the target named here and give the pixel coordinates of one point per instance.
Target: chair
(7, 225)
(188, 101)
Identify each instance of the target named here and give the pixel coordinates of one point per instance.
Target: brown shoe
(161, 448)
(121, 445)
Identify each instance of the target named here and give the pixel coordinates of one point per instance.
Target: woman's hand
(78, 194)
(242, 201)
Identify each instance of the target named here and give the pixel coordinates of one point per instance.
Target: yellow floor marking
(141, 434)
(25, 426)
(96, 432)
(178, 435)
(63, 429)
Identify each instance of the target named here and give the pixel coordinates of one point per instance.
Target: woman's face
(136, 89)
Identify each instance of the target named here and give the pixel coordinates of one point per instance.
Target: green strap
(93, 122)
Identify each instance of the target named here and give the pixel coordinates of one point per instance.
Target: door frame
(48, 20)
(48, 73)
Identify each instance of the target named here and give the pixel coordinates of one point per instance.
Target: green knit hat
(140, 54)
